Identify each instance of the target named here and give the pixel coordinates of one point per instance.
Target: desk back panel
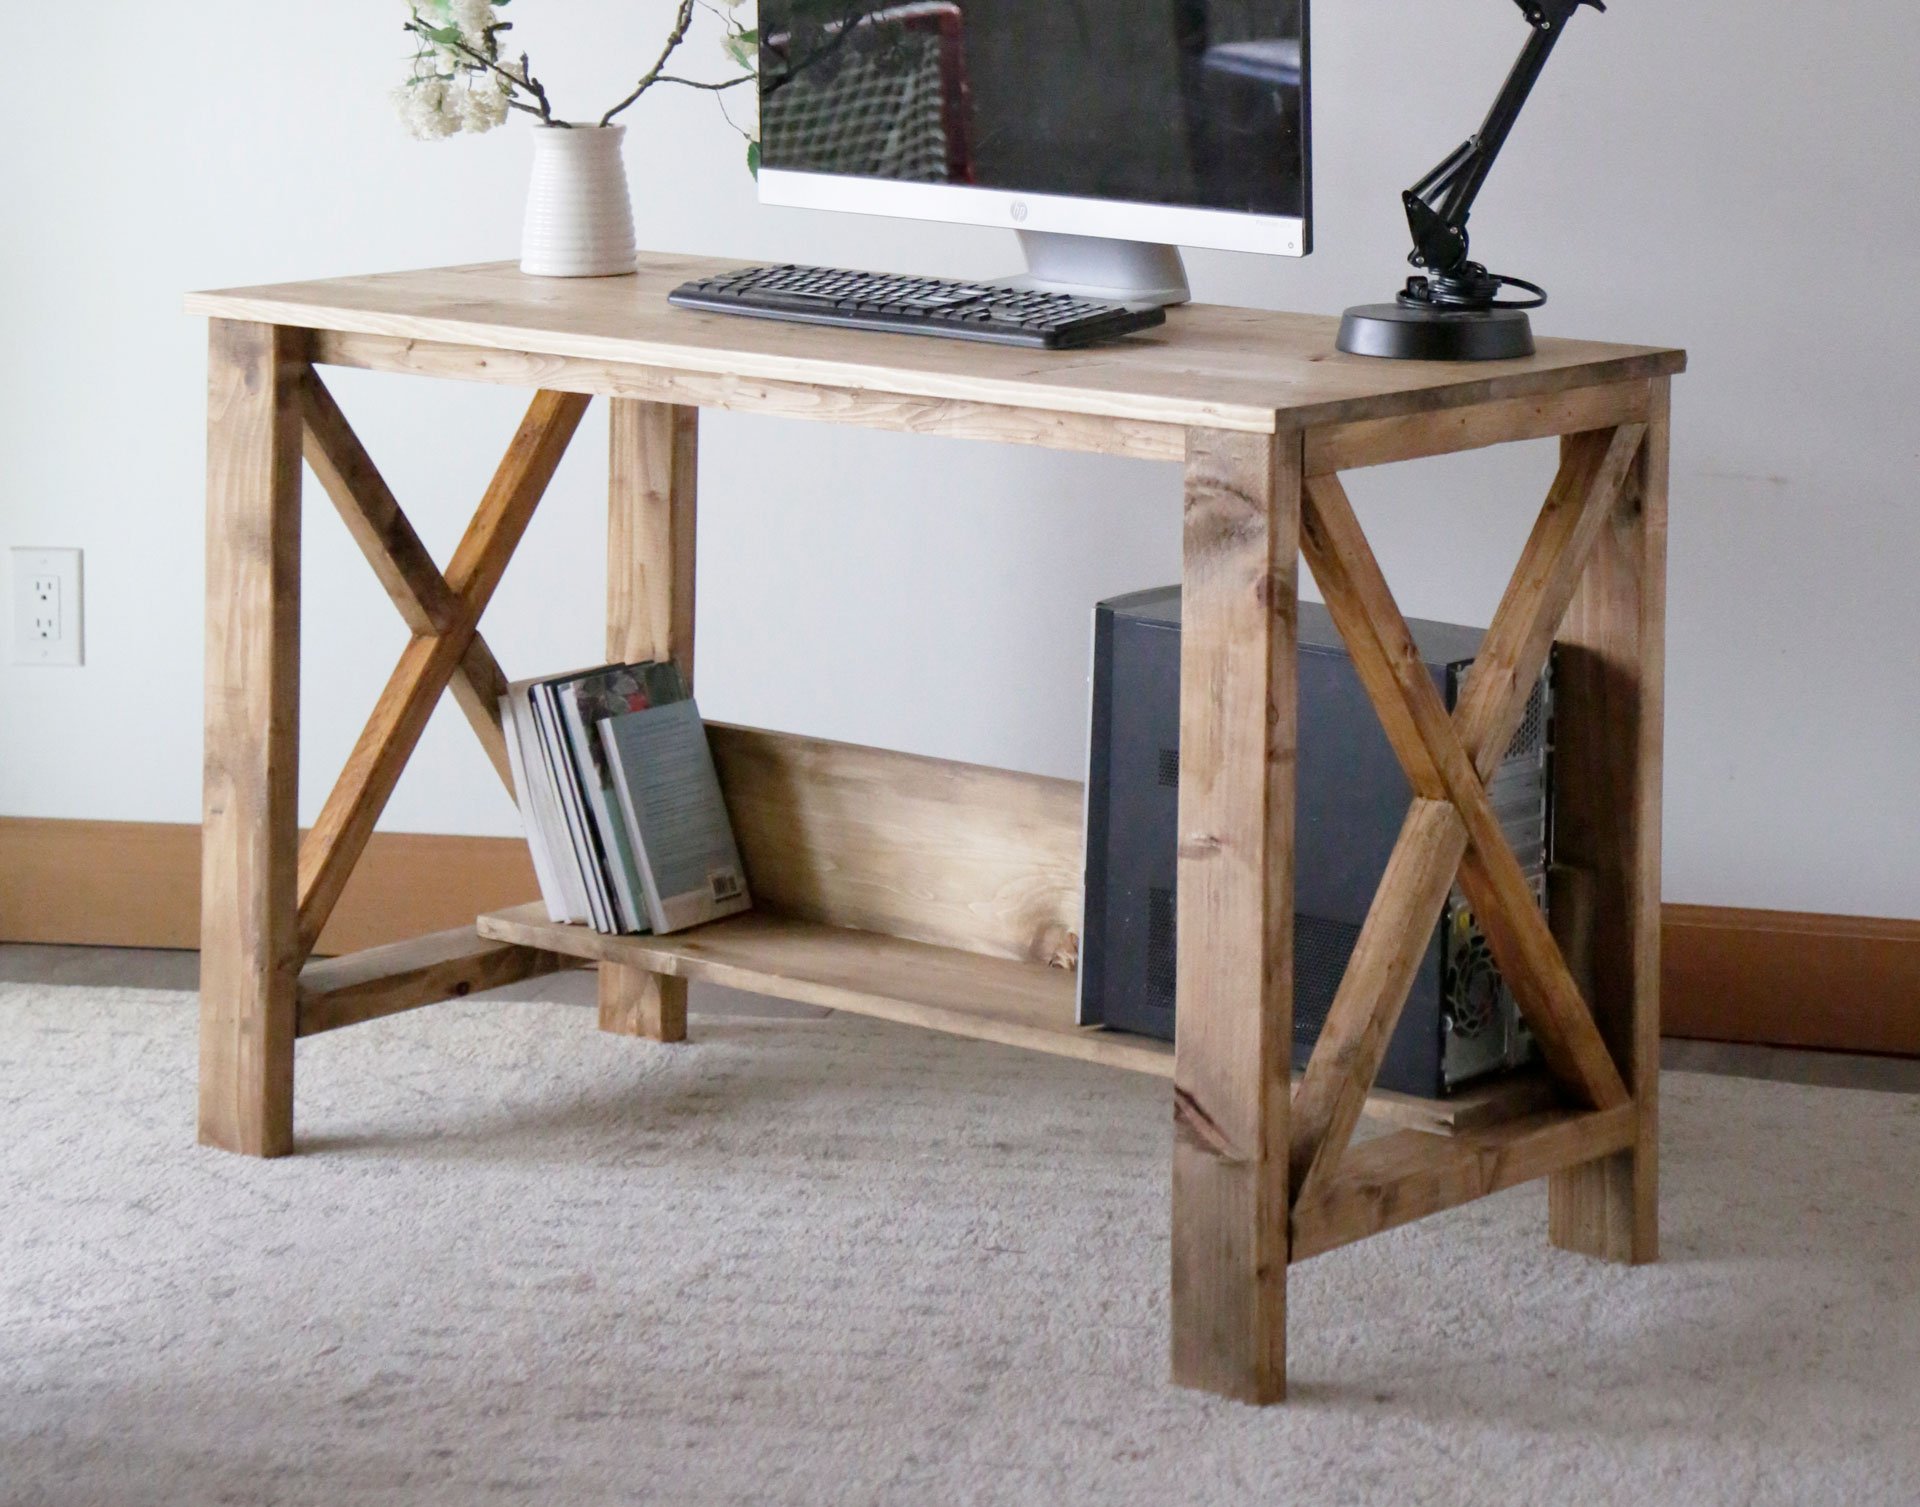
(986, 860)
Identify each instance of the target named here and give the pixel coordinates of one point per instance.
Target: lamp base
(1397, 332)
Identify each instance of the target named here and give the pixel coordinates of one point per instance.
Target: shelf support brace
(1452, 823)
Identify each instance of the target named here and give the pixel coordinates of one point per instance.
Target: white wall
(1735, 177)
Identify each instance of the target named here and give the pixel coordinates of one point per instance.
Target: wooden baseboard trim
(1791, 979)
(1769, 978)
(137, 884)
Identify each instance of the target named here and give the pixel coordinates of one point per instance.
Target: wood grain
(652, 511)
(372, 513)
(1208, 367)
(1493, 700)
(1608, 721)
(1398, 1178)
(988, 860)
(941, 988)
(249, 935)
(428, 662)
(1366, 1007)
(1442, 769)
(478, 684)
(634, 1002)
(651, 527)
(953, 418)
(964, 994)
(1444, 431)
(424, 970)
(1570, 913)
(1234, 988)
(413, 582)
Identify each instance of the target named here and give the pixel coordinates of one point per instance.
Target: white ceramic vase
(579, 218)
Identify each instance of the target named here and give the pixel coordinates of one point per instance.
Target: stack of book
(620, 800)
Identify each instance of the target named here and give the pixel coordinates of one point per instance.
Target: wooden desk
(948, 896)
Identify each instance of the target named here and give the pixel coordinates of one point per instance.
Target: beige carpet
(842, 1262)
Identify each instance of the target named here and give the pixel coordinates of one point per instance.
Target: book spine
(566, 780)
(553, 818)
(525, 799)
(622, 874)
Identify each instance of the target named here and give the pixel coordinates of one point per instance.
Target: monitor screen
(1194, 104)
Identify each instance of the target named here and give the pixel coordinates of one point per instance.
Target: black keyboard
(914, 306)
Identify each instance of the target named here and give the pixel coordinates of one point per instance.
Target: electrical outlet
(46, 607)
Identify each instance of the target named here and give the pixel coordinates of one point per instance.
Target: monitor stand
(1131, 272)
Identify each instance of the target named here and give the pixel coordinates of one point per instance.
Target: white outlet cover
(47, 607)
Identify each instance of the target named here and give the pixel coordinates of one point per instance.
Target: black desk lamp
(1455, 312)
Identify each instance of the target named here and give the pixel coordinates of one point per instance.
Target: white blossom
(473, 17)
(452, 87)
(424, 106)
(483, 105)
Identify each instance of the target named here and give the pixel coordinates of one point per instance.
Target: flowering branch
(524, 79)
(460, 82)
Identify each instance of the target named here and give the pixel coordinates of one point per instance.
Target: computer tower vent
(1532, 734)
(1162, 947)
(1170, 768)
(1480, 1019)
(1321, 950)
(1472, 985)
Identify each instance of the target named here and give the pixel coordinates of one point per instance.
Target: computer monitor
(1108, 133)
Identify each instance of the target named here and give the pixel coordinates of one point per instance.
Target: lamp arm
(1439, 204)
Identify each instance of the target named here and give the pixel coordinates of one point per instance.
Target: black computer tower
(1460, 1023)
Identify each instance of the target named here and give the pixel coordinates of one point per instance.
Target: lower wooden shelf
(1018, 1004)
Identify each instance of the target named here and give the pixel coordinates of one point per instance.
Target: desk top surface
(1209, 365)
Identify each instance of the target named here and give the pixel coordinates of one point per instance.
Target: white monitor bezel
(1109, 219)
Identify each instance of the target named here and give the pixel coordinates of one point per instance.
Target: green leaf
(753, 158)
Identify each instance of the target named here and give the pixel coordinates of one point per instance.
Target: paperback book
(685, 856)
(601, 812)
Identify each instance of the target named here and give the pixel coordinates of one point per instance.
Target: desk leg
(249, 917)
(650, 539)
(1235, 918)
(1607, 737)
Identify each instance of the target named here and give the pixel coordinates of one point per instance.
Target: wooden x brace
(442, 610)
(1451, 829)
